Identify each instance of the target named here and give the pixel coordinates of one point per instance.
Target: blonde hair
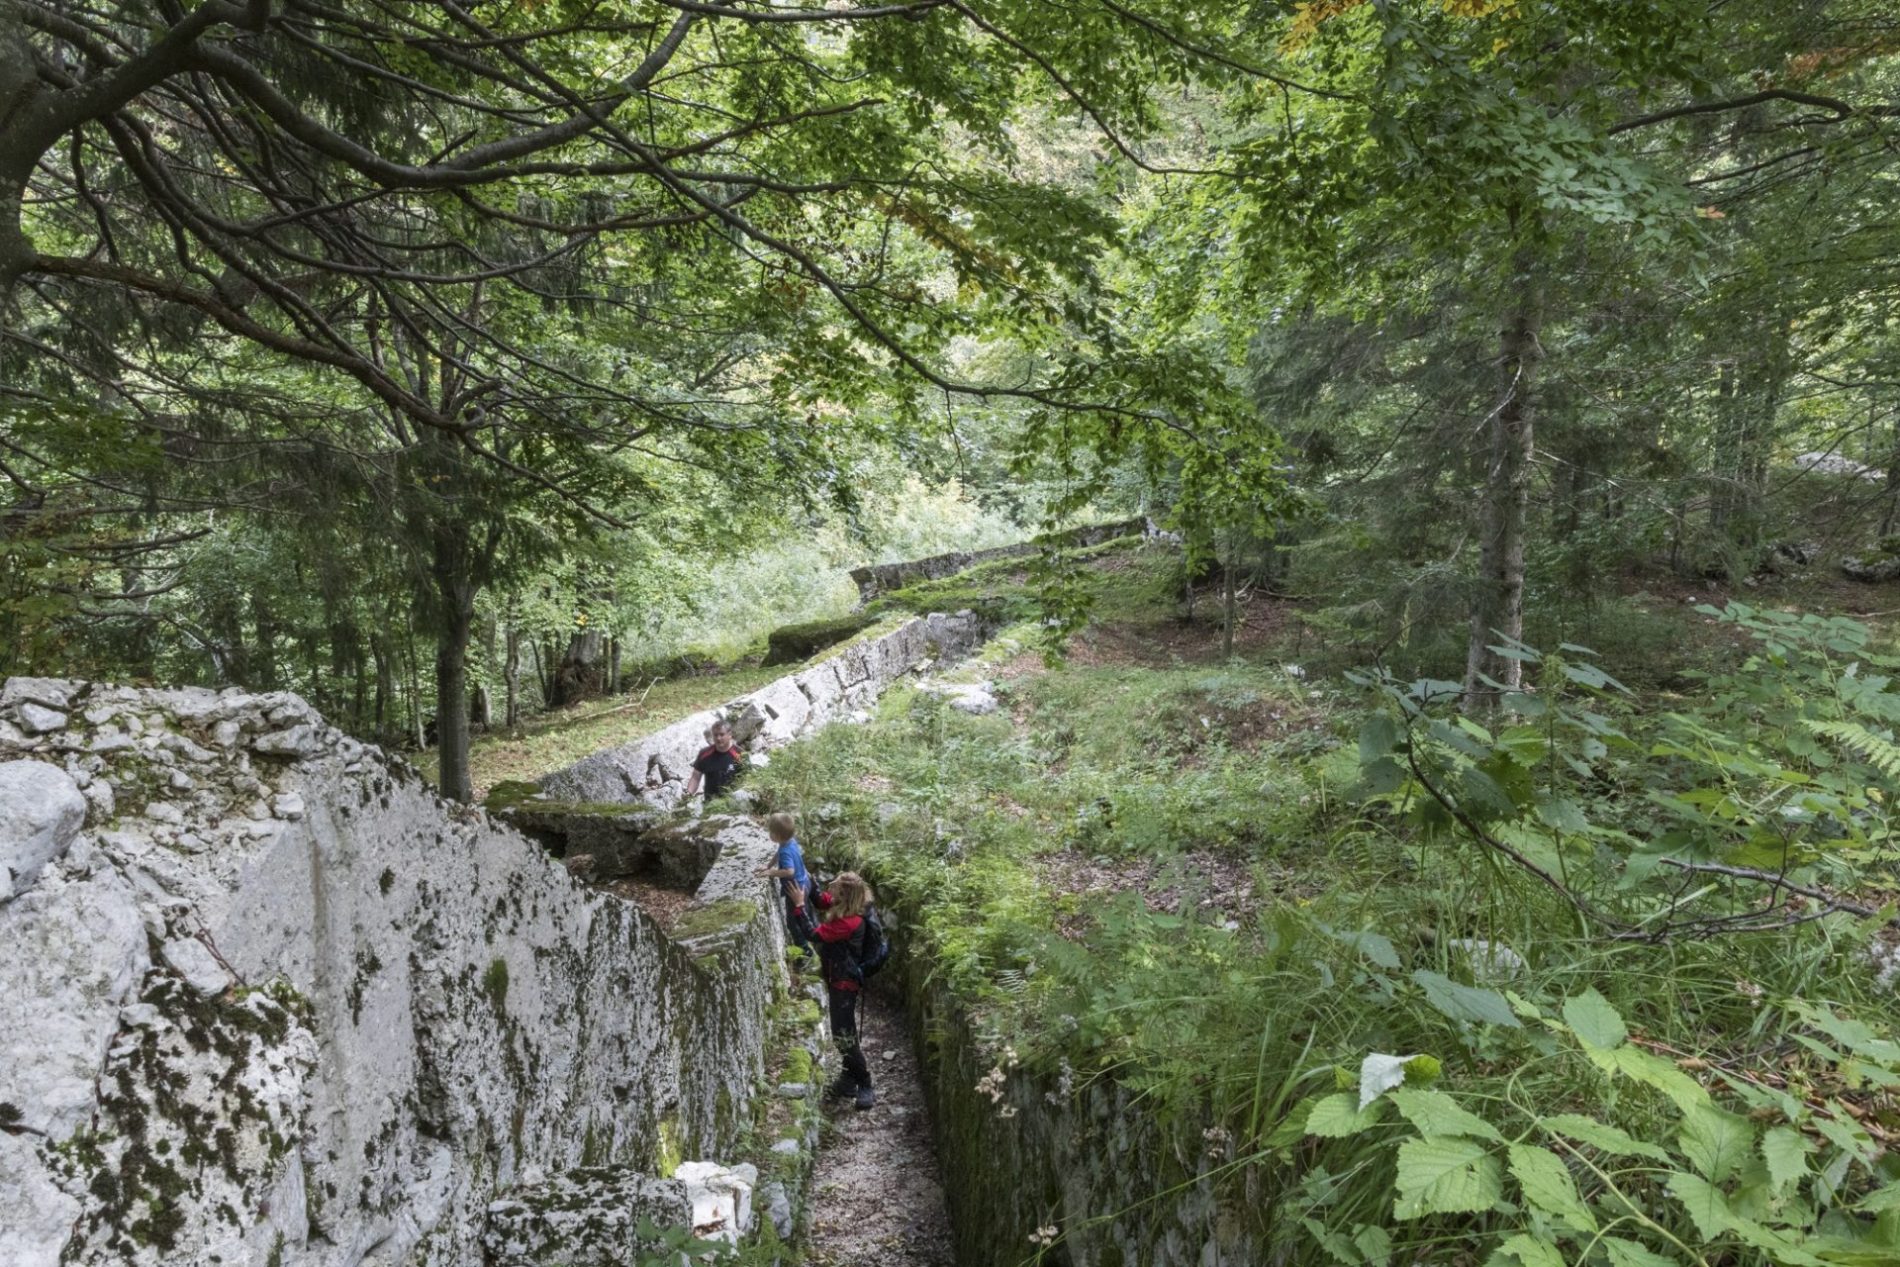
(781, 827)
(850, 895)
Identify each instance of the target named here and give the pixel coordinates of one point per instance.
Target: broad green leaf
(1627, 1253)
(1375, 1243)
(1715, 1141)
(1374, 946)
(1377, 737)
(1435, 1113)
(1706, 1206)
(1562, 814)
(1445, 1176)
(1548, 1185)
(1784, 1249)
(1594, 1021)
(1881, 1200)
(1338, 1116)
(1601, 1135)
(1653, 1071)
(1334, 1243)
(1786, 1152)
(1842, 1131)
(1465, 1002)
(1525, 1251)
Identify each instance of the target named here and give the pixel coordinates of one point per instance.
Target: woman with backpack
(851, 945)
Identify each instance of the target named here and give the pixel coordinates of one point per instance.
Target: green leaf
(1881, 1200)
(1594, 1022)
(1601, 1135)
(1548, 1185)
(1338, 1116)
(1715, 1141)
(1627, 1253)
(1465, 1002)
(1435, 1113)
(1706, 1206)
(1445, 1176)
(1377, 737)
(1653, 1071)
(1786, 1152)
(1374, 1242)
(1334, 1243)
(1525, 1251)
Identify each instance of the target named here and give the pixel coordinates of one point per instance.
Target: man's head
(781, 827)
(720, 736)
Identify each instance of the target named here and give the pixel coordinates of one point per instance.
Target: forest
(1510, 390)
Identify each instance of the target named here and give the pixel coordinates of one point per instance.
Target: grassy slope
(553, 740)
(1149, 861)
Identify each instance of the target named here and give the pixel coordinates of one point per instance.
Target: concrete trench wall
(265, 999)
(1119, 1187)
(880, 578)
(845, 681)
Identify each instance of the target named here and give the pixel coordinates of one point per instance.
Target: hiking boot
(867, 1099)
(840, 1087)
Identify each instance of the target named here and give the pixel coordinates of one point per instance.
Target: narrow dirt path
(877, 1199)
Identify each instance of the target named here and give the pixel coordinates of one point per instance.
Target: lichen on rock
(265, 999)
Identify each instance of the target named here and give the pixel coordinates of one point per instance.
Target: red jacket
(839, 938)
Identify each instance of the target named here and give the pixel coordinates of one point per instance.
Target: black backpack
(876, 951)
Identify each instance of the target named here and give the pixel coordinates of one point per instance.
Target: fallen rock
(36, 719)
(41, 810)
(297, 741)
(49, 692)
(778, 1209)
(193, 960)
(1874, 571)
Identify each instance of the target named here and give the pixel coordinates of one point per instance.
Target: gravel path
(877, 1198)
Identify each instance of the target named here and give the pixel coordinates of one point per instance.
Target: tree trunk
(1892, 491)
(511, 674)
(264, 663)
(418, 739)
(579, 673)
(613, 666)
(1229, 608)
(451, 710)
(455, 586)
(1497, 607)
(385, 684)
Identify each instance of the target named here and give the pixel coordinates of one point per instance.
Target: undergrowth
(1223, 887)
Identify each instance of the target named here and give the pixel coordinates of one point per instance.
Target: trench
(877, 1196)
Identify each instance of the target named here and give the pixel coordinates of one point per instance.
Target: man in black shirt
(718, 765)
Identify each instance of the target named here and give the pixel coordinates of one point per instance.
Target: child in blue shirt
(788, 867)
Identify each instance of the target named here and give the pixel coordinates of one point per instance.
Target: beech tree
(459, 240)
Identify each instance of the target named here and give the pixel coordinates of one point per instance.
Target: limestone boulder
(41, 811)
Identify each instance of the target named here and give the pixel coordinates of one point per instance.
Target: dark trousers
(844, 1032)
(800, 926)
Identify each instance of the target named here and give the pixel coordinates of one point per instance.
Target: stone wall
(1023, 1153)
(878, 578)
(654, 770)
(265, 999)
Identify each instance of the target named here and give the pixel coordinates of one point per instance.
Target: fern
(1879, 751)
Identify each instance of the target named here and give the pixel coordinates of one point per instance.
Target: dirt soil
(877, 1199)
